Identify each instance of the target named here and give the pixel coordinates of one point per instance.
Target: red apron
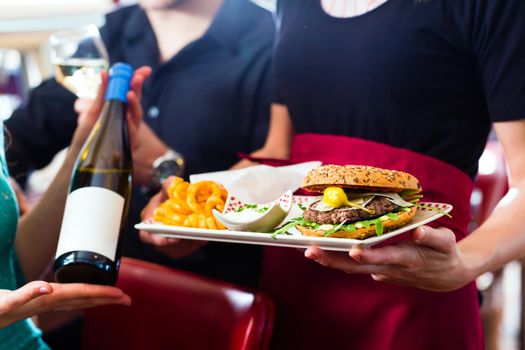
(322, 308)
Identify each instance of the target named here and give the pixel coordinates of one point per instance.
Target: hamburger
(358, 201)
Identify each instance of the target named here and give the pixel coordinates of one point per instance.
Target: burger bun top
(360, 177)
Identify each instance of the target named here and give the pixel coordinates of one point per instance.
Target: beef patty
(380, 206)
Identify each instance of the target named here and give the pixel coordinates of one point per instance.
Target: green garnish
(296, 221)
(335, 229)
(416, 196)
(302, 207)
(349, 228)
(286, 227)
(409, 194)
(365, 223)
(392, 216)
(253, 207)
(378, 226)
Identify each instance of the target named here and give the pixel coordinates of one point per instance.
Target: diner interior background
(25, 26)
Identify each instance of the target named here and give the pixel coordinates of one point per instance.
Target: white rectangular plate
(423, 216)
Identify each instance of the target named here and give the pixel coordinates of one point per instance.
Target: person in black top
(430, 77)
(408, 85)
(207, 99)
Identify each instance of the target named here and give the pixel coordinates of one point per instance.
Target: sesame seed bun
(362, 233)
(360, 177)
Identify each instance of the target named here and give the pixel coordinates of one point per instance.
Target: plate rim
(293, 241)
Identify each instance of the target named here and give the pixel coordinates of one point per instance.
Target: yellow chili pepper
(336, 198)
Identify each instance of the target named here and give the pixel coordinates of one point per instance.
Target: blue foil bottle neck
(119, 80)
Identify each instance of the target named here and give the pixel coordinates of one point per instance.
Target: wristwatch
(170, 163)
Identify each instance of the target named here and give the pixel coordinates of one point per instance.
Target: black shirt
(429, 76)
(208, 102)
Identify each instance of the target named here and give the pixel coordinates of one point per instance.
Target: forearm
(279, 141)
(38, 231)
(501, 238)
(143, 157)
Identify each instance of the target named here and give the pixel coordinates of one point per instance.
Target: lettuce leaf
(377, 222)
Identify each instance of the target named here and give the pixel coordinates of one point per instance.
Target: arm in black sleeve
(257, 88)
(45, 124)
(498, 42)
(40, 128)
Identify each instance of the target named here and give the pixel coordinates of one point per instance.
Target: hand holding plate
(173, 247)
(431, 260)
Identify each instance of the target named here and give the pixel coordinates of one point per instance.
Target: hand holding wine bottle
(89, 116)
(96, 208)
(147, 146)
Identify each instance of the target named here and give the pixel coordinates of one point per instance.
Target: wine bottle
(96, 208)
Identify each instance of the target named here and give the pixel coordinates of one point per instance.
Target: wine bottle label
(91, 222)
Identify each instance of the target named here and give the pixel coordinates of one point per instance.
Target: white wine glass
(79, 56)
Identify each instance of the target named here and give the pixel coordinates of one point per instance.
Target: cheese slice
(362, 199)
(392, 197)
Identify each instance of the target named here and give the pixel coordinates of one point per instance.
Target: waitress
(413, 86)
(407, 85)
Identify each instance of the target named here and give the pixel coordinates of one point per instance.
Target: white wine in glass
(79, 56)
